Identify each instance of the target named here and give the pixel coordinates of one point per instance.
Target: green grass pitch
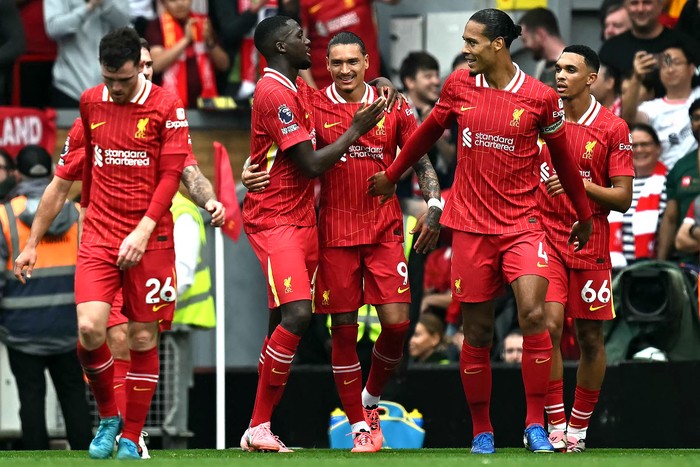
(386, 458)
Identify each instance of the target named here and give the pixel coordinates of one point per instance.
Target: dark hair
(145, 44)
(609, 71)
(541, 18)
(683, 47)
(120, 46)
(648, 129)
(416, 61)
(346, 38)
(590, 58)
(433, 324)
(7, 159)
(459, 59)
(694, 106)
(497, 24)
(267, 33)
(610, 6)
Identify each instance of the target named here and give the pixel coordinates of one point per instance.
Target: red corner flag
(225, 189)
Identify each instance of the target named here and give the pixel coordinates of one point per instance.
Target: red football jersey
(495, 181)
(601, 144)
(279, 121)
(323, 19)
(348, 216)
(70, 164)
(124, 145)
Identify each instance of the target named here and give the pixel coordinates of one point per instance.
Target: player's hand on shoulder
(253, 179)
(367, 116)
(379, 185)
(217, 211)
(553, 185)
(580, 233)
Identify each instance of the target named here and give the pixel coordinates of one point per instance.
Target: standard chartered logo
(486, 140)
(467, 138)
(98, 156)
(121, 157)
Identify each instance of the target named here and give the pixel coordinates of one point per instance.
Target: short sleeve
(620, 144)
(282, 119)
(175, 138)
(70, 164)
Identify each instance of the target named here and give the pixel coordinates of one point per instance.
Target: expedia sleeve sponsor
(174, 124)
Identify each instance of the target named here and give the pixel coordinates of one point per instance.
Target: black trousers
(67, 376)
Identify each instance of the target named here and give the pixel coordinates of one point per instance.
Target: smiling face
(347, 66)
(675, 70)
(644, 14)
(478, 49)
(645, 153)
(573, 75)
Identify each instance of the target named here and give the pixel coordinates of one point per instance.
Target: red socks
(98, 367)
(141, 381)
(475, 371)
(386, 355)
(346, 370)
(554, 403)
(536, 366)
(121, 367)
(585, 401)
(275, 372)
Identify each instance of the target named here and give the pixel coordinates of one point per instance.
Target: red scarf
(175, 77)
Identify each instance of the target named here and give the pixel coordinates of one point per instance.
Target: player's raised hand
(253, 180)
(553, 185)
(217, 212)
(367, 116)
(580, 233)
(24, 264)
(428, 229)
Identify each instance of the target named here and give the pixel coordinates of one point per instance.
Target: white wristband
(438, 203)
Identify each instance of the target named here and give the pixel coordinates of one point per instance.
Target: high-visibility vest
(39, 316)
(367, 317)
(196, 306)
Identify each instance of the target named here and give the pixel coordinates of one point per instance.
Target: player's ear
(280, 47)
(592, 77)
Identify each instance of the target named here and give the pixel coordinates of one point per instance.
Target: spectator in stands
(615, 19)
(141, 12)
(40, 55)
(77, 27)
(233, 22)
(185, 52)
(513, 347)
(689, 20)
(427, 345)
(667, 115)
(607, 88)
(12, 45)
(437, 291)
(688, 237)
(633, 234)
(38, 321)
(647, 34)
(542, 38)
(8, 178)
(682, 187)
(323, 19)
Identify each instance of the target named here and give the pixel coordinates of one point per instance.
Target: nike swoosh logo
(117, 386)
(315, 8)
(556, 422)
(594, 308)
(330, 125)
(136, 388)
(464, 109)
(473, 372)
(542, 360)
(540, 265)
(402, 290)
(349, 382)
(96, 125)
(277, 372)
(158, 307)
(575, 426)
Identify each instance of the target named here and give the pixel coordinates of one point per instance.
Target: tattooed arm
(429, 224)
(202, 193)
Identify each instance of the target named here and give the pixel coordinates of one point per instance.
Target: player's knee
(532, 319)
(478, 335)
(591, 343)
(91, 333)
(118, 342)
(296, 320)
(555, 329)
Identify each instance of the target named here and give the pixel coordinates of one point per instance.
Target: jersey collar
(277, 76)
(141, 95)
(367, 98)
(589, 115)
(513, 86)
